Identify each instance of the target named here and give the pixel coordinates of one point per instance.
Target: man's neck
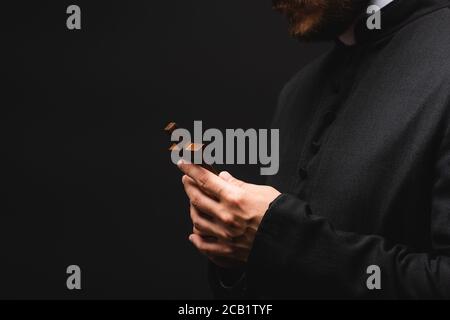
(348, 37)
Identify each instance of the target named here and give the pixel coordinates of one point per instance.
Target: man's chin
(312, 35)
(319, 23)
(309, 32)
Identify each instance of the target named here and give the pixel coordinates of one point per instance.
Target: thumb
(230, 179)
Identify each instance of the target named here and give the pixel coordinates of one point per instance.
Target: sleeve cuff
(277, 243)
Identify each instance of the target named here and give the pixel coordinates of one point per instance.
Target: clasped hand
(225, 212)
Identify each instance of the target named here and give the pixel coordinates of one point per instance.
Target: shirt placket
(335, 95)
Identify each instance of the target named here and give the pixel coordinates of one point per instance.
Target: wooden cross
(194, 148)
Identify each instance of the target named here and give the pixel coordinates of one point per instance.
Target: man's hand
(226, 213)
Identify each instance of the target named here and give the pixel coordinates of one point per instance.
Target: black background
(86, 175)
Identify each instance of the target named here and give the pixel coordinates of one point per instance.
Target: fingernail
(180, 162)
(190, 238)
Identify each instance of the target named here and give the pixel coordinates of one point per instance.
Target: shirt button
(315, 147)
(302, 173)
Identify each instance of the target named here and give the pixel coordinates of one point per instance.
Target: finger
(230, 179)
(199, 199)
(207, 227)
(210, 248)
(205, 179)
(188, 179)
(213, 209)
(206, 237)
(203, 234)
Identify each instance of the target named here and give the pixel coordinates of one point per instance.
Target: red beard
(319, 19)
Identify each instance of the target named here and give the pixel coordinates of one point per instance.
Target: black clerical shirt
(364, 168)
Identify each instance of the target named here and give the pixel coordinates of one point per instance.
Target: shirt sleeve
(299, 255)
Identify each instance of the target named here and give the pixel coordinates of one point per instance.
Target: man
(364, 180)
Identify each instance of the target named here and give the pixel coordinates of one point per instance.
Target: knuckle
(220, 191)
(235, 199)
(203, 180)
(195, 200)
(228, 250)
(227, 219)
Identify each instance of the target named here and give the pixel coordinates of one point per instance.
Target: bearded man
(364, 179)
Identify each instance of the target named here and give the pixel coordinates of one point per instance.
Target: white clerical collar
(381, 3)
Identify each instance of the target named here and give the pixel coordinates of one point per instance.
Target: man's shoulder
(427, 38)
(418, 53)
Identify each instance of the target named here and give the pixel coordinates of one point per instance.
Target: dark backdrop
(86, 178)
